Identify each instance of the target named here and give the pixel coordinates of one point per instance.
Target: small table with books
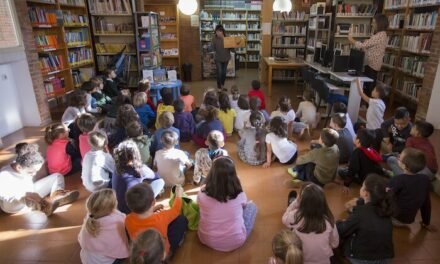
(291, 64)
(155, 88)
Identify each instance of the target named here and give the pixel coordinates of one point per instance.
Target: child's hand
(266, 164)
(351, 204)
(345, 190)
(179, 191)
(429, 228)
(31, 196)
(158, 208)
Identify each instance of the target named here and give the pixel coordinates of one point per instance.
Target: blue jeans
(221, 73)
(249, 215)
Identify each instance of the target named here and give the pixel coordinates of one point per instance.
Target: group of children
(126, 166)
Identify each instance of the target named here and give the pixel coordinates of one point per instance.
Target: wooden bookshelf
(319, 30)
(412, 25)
(63, 41)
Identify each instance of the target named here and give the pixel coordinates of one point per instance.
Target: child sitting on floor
(146, 114)
(286, 248)
(285, 111)
(171, 163)
(251, 146)
(183, 121)
(278, 144)
(233, 97)
(243, 112)
(135, 132)
(166, 121)
(188, 100)
(110, 86)
(255, 91)
(91, 105)
(210, 123)
(376, 105)
(98, 165)
(102, 100)
(394, 131)
(144, 87)
(146, 214)
(77, 103)
(226, 216)
(149, 248)
(204, 156)
(345, 141)
(254, 105)
(102, 237)
(311, 219)
(226, 114)
(319, 165)
(306, 111)
(126, 115)
(86, 123)
(339, 107)
(166, 105)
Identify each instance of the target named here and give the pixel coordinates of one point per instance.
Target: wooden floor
(34, 238)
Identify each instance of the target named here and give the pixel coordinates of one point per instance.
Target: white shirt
(97, 168)
(13, 188)
(234, 103)
(375, 112)
(170, 164)
(288, 117)
(70, 114)
(240, 119)
(283, 148)
(307, 112)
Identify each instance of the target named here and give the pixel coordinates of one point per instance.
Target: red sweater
(259, 94)
(426, 147)
(58, 161)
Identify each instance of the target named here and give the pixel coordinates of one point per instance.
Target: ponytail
(257, 121)
(293, 255)
(53, 132)
(380, 196)
(100, 203)
(92, 226)
(287, 247)
(148, 248)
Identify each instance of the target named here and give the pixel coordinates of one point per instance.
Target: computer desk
(291, 64)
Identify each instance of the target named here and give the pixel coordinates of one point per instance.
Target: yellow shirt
(160, 109)
(227, 120)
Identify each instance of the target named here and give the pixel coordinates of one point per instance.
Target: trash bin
(187, 68)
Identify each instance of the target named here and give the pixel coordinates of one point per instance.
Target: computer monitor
(317, 54)
(356, 61)
(340, 63)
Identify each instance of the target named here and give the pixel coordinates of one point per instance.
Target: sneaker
(292, 173)
(49, 207)
(64, 197)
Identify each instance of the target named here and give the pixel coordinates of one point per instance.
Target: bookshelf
(113, 31)
(169, 34)
(61, 32)
(412, 24)
(319, 29)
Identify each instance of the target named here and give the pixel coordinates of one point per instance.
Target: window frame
(16, 24)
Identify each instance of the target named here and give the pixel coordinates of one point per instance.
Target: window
(9, 36)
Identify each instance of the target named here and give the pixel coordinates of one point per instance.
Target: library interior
(211, 130)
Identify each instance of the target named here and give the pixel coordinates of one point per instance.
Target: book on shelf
(409, 88)
(389, 59)
(80, 56)
(415, 3)
(40, 16)
(170, 52)
(349, 9)
(115, 47)
(205, 15)
(72, 2)
(413, 65)
(47, 41)
(104, 26)
(73, 19)
(294, 15)
(362, 29)
(110, 6)
(396, 21)
(280, 28)
(53, 85)
(234, 15)
(167, 36)
(422, 20)
(394, 41)
(81, 75)
(392, 4)
(291, 53)
(77, 37)
(167, 19)
(51, 62)
(419, 44)
(296, 41)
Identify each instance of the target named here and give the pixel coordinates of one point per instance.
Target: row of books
(169, 35)
(204, 15)
(253, 46)
(235, 26)
(283, 75)
(390, 59)
(147, 22)
(358, 29)
(39, 16)
(254, 36)
(394, 41)
(231, 15)
(102, 25)
(420, 43)
(392, 4)
(80, 56)
(386, 77)
(170, 52)
(167, 19)
(409, 88)
(291, 16)
(234, 4)
(413, 65)
(51, 62)
(253, 25)
(53, 85)
(396, 20)
(288, 41)
(72, 2)
(356, 9)
(47, 41)
(423, 2)
(74, 19)
(114, 47)
(291, 53)
(280, 28)
(422, 20)
(81, 75)
(110, 6)
(77, 37)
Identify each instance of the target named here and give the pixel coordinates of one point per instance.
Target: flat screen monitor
(340, 63)
(356, 61)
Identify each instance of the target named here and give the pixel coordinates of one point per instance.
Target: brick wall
(32, 59)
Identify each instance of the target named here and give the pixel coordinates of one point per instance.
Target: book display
(62, 37)
(412, 24)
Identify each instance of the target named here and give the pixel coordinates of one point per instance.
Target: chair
(307, 75)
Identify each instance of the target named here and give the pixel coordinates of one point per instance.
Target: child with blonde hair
(306, 111)
(285, 111)
(165, 106)
(148, 248)
(146, 114)
(102, 237)
(166, 121)
(286, 248)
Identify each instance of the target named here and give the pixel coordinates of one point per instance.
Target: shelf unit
(237, 22)
(318, 33)
(113, 31)
(412, 23)
(63, 42)
(169, 34)
(148, 42)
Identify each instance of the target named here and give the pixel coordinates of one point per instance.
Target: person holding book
(222, 55)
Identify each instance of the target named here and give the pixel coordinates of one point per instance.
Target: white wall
(433, 115)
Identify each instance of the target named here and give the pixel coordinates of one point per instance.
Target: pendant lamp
(187, 7)
(282, 5)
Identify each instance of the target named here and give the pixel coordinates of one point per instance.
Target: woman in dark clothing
(222, 55)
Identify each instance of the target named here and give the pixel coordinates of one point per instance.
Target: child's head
(100, 203)
(211, 99)
(243, 102)
(254, 103)
(364, 138)
(122, 99)
(339, 107)
(55, 131)
(329, 137)
(134, 129)
(24, 147)
(97, 140)
(148, 248)
(257, 121)
(28, 160)
(222, 182)
(89, 87)
(379, 92)
(284, 104)
(338, 121)
(139, 99)
(140, 198)
(374, 191)
(166, 119)
(144, 86)
(215, 140)
(99, 83)
(86, 122)
(287, 247)
(401, 117)
(78, 99)
(422, 129)
(278, 127)
(224, 102)
(211, 114)
(235, 92)
(110, 73)
(127, 158)
(179, 105)
(308, 95)
(167, 96)
(313, 211)
(126, 114)
(412, 160)
(185, 90)
(169, 139)
(256, 85)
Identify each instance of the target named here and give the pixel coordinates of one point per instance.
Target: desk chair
(308, 75)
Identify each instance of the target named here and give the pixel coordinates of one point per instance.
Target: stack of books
(51, 62)
(47, 41)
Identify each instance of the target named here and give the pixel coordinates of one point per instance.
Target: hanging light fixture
(282, 5)
(187, 7)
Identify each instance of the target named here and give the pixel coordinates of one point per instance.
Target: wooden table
(291, 64)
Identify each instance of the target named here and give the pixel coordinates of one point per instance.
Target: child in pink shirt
(86, 123)
(226, 216)
(187, 99)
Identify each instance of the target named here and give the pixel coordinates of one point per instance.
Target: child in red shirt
(257, 93)
(86, 123)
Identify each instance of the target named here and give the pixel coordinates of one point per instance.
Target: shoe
(292, 196)
(388, 173)
(292, 173)
(64, 197)
(49, 207)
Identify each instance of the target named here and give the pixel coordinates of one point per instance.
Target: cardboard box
(234, 42)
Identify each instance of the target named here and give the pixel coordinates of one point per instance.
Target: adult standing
(374, 49)
(222, 55)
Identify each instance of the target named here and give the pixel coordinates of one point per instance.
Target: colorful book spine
(39, 16)
(77, 37)
(80, 56)
(47, 41)
(51, 62)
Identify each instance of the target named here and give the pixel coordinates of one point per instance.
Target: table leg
(354, 101)
(269, 80)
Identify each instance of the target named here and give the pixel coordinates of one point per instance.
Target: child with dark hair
(367, 233)
(345, 141)
(306, 111)
(77, 103)
(147, 215)
(255, 91)
(339, 107)
(123, 98)
(205, 156)
(102, 100)
(223, 204)
(110, 86)
(411, 189)
(376, 105)
(188, 100)
(394, 131)
(211, 123)
(166, 121)
(126, 115)
(285, 111)
(363, 161)
(91, 106)
(251, 146)
(144, 87)
(226, 114)
(183, 121)
(148, 248)
(243, 112)
(86, 123)
(130, 171)
(278, 144)
(171, 163)
(166, 105)
(320, 164)
(310, 218)
(233, 97)
(420, 133)
(135, 132)
(146, 114)
(254, 105)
